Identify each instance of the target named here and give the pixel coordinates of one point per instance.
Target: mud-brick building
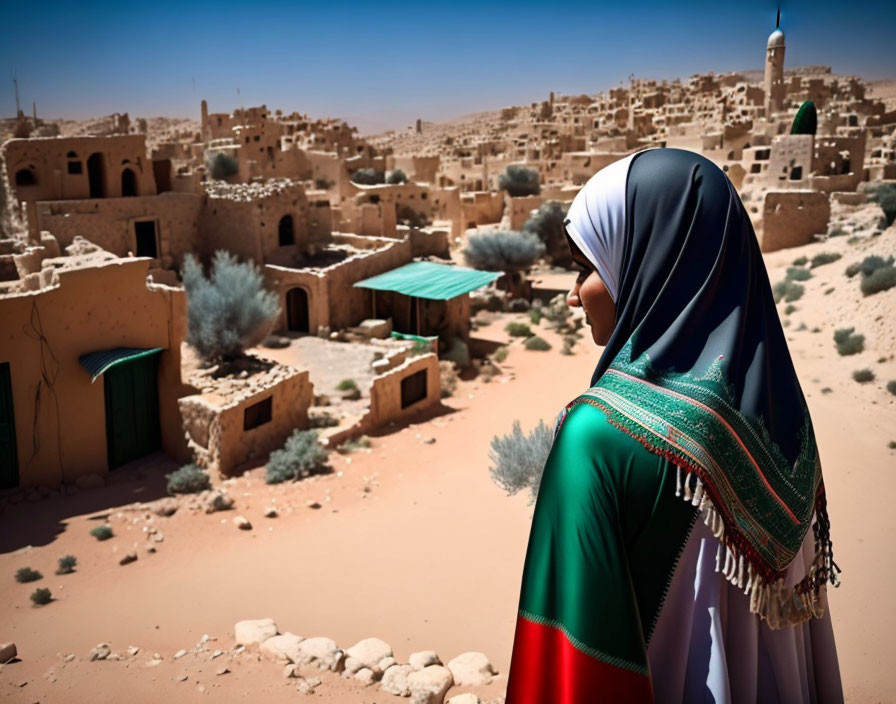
(89, 373)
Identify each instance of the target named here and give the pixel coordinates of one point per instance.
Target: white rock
(100, 652)
(254, 630)
(395, 680)
(465, 698)
(130, 556)
(424, 658)
(365, 675)
(7, 651)
(179, 654)
(471, 669)
(430, 685)
(270, 512)
(385, 664)
(285, 646)
(164, 507)
(242, 523)
(323, 652)
(218, 501)
(369, 652)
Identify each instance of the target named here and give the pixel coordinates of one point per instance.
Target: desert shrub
(353, 445)
(790, 308)
(301, 455)
(189, 479)
(800, 261)
(892, 444)
(853, 269)
(275, 342)
(406, 215)
(518, 459)
(229, 311)
(322, 420)
(787, 290)
(518, 330)
(537, 343)
(396, 176)
(41, 596)
(872, 263)
(66, 564)
(368, 177)
(824, 258)
(885, 196)
(502, 250)
(547, 223)
(891, 387)
(518, 305)
(103, 532)
(221, 166)
(881, 280)
(500, 354)
(836, 232)
(863, 376)
(535, 315)
(558, 312)
(796, 273)
(346, 385)
(519, 181)
(26, 574)
(848, 342)
(447, 377)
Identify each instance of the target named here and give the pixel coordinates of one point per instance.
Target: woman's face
(590, 293)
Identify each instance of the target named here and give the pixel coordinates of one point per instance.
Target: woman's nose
(572, 298)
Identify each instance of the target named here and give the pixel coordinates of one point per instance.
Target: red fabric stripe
(545, 668)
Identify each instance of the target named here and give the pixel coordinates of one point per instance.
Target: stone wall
(791, 218)
(214, 421)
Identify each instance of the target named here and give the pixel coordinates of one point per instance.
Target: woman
(679, 549)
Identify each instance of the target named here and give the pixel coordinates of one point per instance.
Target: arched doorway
(96, 176)
(286, 231)
(297, 310)
(128, 183)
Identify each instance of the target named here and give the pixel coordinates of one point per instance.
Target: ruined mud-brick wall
(430, 241)
(60, 418)
(52, 168)
(481, 208)
(110, 223)
(245, 219)
(838, 155)
(236, 421)
(281, 280)
(385, 392)
(791, 156)
(791, 218)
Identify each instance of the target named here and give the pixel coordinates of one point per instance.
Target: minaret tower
(774, 71)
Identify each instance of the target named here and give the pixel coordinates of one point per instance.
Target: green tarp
(97, 362)
(430, 280)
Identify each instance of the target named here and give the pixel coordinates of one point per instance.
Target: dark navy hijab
(697, 367)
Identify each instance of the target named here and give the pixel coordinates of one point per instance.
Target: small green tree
(221, 166)
(547, 223)
(519, 181)
(230, 310)
(368, 177)
(396, 176)
(507, 251)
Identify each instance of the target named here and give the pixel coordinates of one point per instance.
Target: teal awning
(430, 280)
(416, 338)
(97, 362)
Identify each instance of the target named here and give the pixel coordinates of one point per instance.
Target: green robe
(606, 534)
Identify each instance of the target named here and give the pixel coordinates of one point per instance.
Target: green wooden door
(132, 410)
(9, 464)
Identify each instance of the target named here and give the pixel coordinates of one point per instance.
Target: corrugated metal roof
(97, 362)
(430, 280)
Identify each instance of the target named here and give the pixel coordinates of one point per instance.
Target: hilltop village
(360, 239)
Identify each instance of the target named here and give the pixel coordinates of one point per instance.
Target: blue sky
(382, 65)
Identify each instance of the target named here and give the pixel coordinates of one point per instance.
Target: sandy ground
(431, 557)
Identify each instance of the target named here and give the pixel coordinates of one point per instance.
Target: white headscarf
(596, 221)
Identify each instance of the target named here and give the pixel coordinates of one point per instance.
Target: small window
(413, 388)
(257, 414)
(74, 167)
